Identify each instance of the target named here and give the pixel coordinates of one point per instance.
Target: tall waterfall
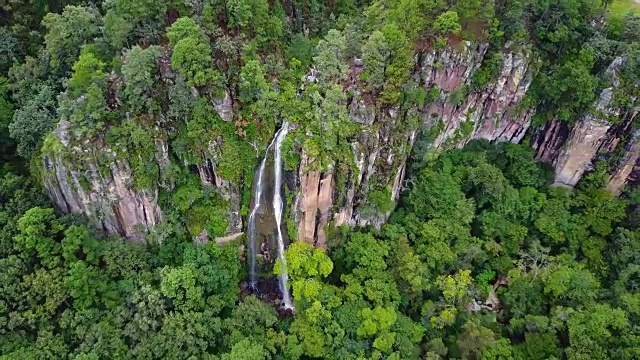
(251, 226)
(278, 212)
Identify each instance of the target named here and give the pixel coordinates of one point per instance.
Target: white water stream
(278, 214)
(277, 210)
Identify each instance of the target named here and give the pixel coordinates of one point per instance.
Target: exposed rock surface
(629, 164)
(573, 152)
(382, 146)
(585, 140)
(229, 192)
(456, 114)
(224, 107)
(315, 204)
(488, 113)
(102, 192)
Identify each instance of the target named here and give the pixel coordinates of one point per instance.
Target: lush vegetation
(481, 258)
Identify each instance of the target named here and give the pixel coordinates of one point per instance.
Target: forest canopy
(482, 259)
(482, 256)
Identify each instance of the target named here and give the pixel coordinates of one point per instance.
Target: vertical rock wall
(382, 146)
(316, 201)
(99, 184)
(572, 150)
(489, 113)
(96, 183)
(629, 165)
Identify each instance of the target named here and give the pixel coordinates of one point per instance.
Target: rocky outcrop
(548, 140)
(381, 147)
(572, 150)
(224, 107)
(316, 200)
(489, 113)
(228, 191)
(629, 164)
(583, 144)
(98, 184)
(361, 191)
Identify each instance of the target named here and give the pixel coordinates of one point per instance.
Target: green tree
(33, 120)
(85, 285)
(245, 349)
(39, 233)
(140, 75)
(330, 60)
(68, 32)
(447, 23)
(192, 58)
(127, 22)
(181, 286)
(84, 103)
(375, 53)
(184, 27)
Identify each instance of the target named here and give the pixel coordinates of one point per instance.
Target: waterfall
(251, 226)
(277, 210)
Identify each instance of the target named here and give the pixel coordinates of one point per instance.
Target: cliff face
(382, 146)
(628, 169)
(488, 113)
(572, 150)
(95, 182)
(229, 192)
(91, 179)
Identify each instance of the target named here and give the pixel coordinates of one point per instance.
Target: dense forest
(480, 254)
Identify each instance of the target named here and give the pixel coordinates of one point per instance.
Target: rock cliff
(573, 149)
(461, 113)
(94, 181)
(628, 169)
(381, 148)
(362, 190)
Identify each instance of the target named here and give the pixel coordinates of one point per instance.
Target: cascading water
(251, 226)
(277, 210)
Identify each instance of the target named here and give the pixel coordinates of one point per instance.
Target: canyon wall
(607, 127)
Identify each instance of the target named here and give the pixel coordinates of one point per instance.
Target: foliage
(33, 120)
(447, 23)
(140, 74)
(68, 32)
(126, 22)
(480, 259)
